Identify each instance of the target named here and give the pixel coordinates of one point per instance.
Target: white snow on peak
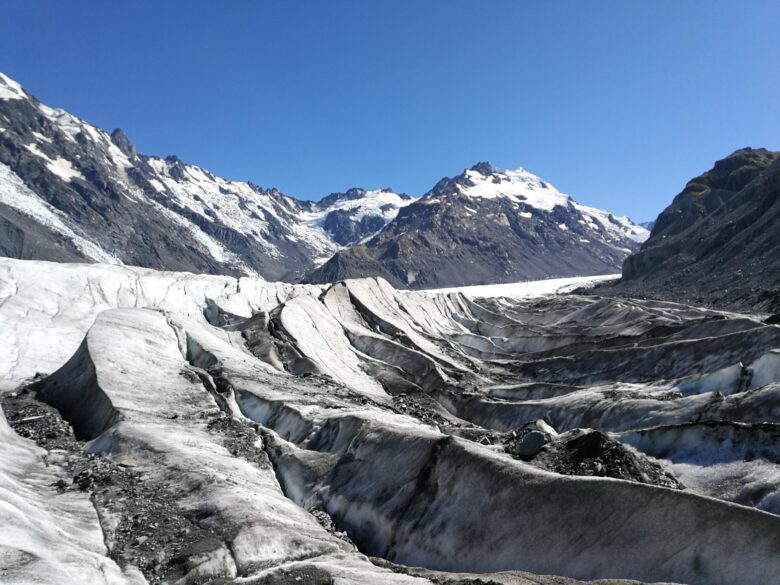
(376, 202)
(10, 90)
(521, 186)
(71, 126)
(67, 123)
(518, 185)
(268, 216)
(235, 204)
(372, 203)
(59, 166)
(307, 227)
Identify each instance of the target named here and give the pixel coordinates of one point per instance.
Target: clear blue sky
(617, 103)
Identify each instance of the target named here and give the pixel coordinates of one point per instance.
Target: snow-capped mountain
(356, 214)
(72, 192)
(487, 226)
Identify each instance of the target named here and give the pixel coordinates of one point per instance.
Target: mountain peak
(10, 89)
(174, 160)
(484, 181)
(484, 168)
(733, 172)
(385, 194)
(120, 139)
(351, 194)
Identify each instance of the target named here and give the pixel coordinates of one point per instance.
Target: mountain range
(72, 192)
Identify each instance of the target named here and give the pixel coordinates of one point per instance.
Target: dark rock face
(718, 242)
(22, 237)
(345, 230)
(352, 194)
(479, 228)
(122, 142)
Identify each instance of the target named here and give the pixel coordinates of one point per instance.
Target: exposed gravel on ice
(139, 515)
(592, 453)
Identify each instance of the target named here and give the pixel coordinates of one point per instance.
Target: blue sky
(616, 103)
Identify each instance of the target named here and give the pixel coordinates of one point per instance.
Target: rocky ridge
(718, 242)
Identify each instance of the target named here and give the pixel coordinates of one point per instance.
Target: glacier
(164, 427)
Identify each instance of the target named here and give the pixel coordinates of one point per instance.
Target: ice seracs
(269, 419)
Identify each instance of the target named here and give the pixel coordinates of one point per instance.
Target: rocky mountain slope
(72, 192)
(486, 226)
(719, 241)
(175, 428)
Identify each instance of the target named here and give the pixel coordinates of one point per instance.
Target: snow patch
(524, 290)
(59, 166)
(616, 226)
(41, 137)
(10, 90)
(518, 185)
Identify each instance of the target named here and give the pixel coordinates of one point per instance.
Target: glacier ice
(240, 406)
